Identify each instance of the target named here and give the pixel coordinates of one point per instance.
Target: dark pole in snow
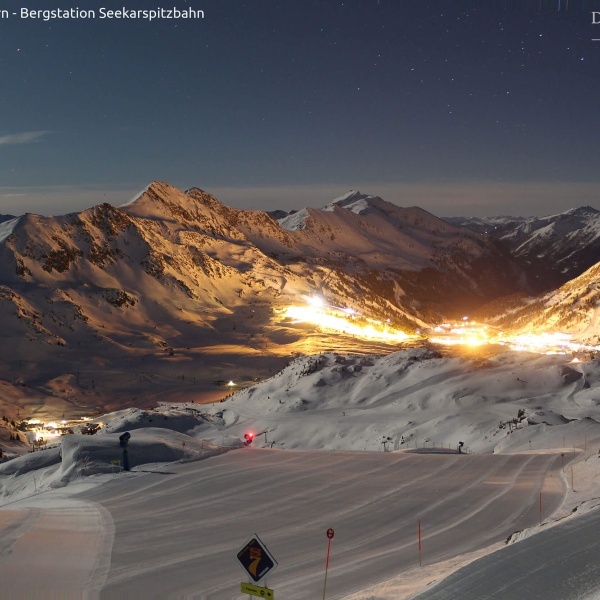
(123, 441)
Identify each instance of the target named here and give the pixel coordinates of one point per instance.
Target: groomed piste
(368, 446)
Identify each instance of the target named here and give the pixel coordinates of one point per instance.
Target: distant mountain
(489, 226)
(279, 214)
(6, 218)
(554, 249)
(174, 291)
(573, 308)
(161, 280)
(435, 265)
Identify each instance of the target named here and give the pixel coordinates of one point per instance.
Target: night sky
(479, 107)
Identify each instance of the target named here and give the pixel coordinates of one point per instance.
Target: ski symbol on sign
(256, 559)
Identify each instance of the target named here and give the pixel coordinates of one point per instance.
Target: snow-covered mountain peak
(568, 222)
(581, 211)
(555, 248)
(355, 206)
(135, 197)
(173, 269)
(367, 205)
(295, 221)
(161, 200)
(354, 201)
(149, 200)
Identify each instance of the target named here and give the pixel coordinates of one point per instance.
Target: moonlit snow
(366, 445)
(7, 228)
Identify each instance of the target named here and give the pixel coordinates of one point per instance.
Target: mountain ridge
(177, 282)
(555, 248)
(574, 308)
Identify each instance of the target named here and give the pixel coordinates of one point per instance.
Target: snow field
(179, 517)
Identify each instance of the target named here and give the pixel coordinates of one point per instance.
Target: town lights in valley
(471, 333)
(42, 431)
(47, 430)
(464, 332)
(341, 320)
(316, 301)
(549, 343)
(467, 333)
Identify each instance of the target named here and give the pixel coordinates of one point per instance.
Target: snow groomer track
(177, 530)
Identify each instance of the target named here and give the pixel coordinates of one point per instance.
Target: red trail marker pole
(330, 534)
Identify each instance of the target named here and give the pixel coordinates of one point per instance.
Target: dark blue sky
(461, 107)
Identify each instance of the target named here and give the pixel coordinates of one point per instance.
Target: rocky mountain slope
(171, 247)
(146, 288)
(554, 249)
(573, 308)
(439, 266)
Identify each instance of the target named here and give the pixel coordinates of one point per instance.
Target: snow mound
(97, 454)
(514, 402)
(181, 419)
(90, 456)
(30, 462)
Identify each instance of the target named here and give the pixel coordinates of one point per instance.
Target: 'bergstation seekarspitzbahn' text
(146, 14)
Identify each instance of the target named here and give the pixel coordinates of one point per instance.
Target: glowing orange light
(341, 320)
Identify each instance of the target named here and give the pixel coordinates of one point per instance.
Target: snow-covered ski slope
(172, 526)
(173, 531)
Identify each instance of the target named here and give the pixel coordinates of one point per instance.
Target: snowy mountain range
(170, 252)
(557, 247)
(178, 288)
(175, 300)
